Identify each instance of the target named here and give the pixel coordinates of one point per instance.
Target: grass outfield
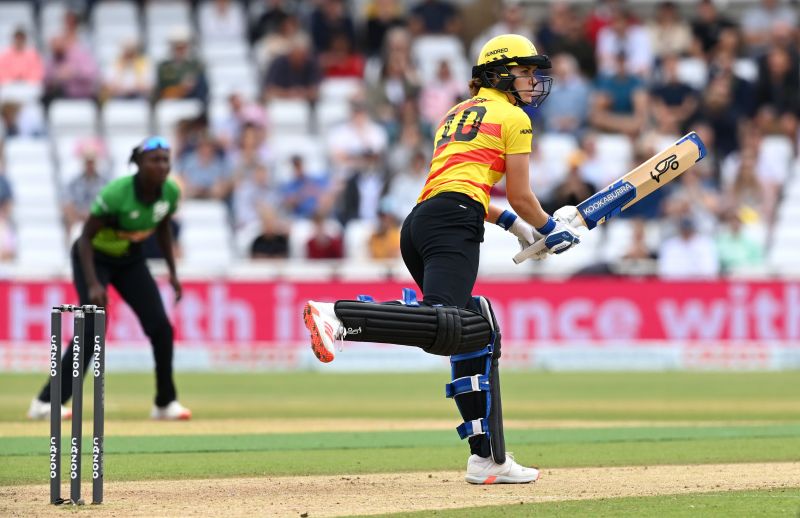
(565, 420)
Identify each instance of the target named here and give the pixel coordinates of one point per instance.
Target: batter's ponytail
(474, 85)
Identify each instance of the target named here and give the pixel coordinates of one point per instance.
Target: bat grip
(527, 253)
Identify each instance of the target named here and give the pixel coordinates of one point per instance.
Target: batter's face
(524, 82)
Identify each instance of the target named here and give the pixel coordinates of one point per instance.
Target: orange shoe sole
(322, 354)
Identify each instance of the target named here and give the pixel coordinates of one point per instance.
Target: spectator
(511, 20)
(269, 20)
(325, 242)
(363, 189)
(573, 189)
(20, 62)
(410, 142)
(692, 197)
(438, 96)
(70, 72)
(221, 20)
(748, 191)
(328, 20)
(709, 24)
(295, 75)
(18, 120)
(182, 75)
(624, 37)
(73, 31)
(355, 138)
(82, 190)
(341, 60)
(619, 103)
(251, 153)
(669, 32)
(688, 254)
(778, 93)
(672, 102)
(6, 193)
(278, 42)
(573, 41)
(405, 186)
(638, 250)
(593, 168)
(397, 82)
(130, 76)
(554, 27)
(381, 16)
(302, 194)
(8, 234)
(252, 196)
(759, 21)
(737, 250)
(272, 241)
(384, 241)
(228, 129)
(205, 172)
(567, 107)
(434, 17)
(718, 110)
(599, 17)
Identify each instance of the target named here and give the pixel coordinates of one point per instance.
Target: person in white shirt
(688, 255)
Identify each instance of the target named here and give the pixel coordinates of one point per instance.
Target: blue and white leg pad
(469, 384)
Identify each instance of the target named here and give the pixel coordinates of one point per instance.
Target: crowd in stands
(643, 73)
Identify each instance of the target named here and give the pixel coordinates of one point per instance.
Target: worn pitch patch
(343, 495)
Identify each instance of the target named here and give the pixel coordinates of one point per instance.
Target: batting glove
(514, 224)
(560, 236)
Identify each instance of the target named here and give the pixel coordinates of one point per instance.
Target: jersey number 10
(459, 135)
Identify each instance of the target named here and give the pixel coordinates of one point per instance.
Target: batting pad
(435, 329)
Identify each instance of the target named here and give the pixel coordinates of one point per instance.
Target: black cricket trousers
(133, 281)
(440, 243)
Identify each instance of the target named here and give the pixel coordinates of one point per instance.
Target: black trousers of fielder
(135, 284)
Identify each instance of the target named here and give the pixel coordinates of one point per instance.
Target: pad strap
(471, 428)
(466, 384)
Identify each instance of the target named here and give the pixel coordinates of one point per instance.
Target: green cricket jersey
(128, 220)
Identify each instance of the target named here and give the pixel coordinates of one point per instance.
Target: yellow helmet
(508, 50)
(511, 49)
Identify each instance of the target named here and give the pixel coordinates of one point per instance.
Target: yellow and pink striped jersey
(471, 145)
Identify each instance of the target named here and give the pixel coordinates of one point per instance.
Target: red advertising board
(595, 311)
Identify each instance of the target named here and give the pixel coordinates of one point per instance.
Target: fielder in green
(109, 251)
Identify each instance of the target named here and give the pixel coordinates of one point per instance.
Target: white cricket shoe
(40, 410)
(482, 470)
(325, 329)
(174, 411)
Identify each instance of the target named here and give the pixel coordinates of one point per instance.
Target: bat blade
(654, 173)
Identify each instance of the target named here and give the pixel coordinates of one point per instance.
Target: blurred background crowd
(302, 129)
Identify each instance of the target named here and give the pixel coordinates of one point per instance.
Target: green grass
(751, 504)
(699, 417)
(698, 396)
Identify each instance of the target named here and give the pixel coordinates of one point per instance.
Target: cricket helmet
(501, 53)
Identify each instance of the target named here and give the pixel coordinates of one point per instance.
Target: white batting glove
(569, 215)
(526, 235)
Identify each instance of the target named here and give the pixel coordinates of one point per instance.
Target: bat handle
(527, 253)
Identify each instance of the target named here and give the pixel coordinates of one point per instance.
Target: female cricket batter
(478, 142)
(109, 250)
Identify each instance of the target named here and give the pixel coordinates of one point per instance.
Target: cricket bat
(633, 187)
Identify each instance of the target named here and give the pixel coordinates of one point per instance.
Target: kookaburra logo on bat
(671, 162)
